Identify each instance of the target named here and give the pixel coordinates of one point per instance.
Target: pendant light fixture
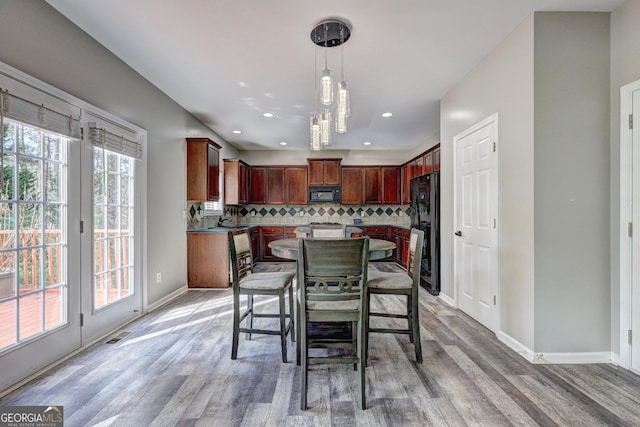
(327, 34)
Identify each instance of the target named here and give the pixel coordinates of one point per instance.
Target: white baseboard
(555, 358)
(448, 300)
(516, 346)
(573, 358)
(168, 298)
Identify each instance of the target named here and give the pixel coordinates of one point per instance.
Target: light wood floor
(173, 368)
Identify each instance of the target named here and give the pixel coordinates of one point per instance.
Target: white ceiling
(229, 61)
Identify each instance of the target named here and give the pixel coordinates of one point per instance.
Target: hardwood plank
(174, 369)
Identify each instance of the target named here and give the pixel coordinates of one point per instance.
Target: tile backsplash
(302, 214)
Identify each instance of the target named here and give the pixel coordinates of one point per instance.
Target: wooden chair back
(332, 269)
(416, 240)
(241, 256)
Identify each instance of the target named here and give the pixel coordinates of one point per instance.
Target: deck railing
(31, 276)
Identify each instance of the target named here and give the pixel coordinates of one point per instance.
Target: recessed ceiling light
(268, 115)
(283, 143)
(236, 132)
(387, 114)
(366, 143)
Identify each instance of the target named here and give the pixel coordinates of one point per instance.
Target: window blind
(108, 140)
(39, 115)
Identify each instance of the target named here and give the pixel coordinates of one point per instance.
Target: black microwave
(324, 194)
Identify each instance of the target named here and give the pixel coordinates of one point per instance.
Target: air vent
(118, 337)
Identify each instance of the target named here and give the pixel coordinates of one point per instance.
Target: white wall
(548, 82)
(39, 41)
(571, 169)
(625, 69)
(502, 83)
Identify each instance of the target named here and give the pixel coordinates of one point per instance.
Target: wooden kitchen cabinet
(428, 162)
(401, 238)
(269, 234)
(372, 184)
(381, 184)
(207, 260)
(276, 194)
(406, 182)
(297, 189)
(254, 235)
(258, 180)
(352, 185)
(375, 231)
(236, 182)
(203, 170)
(436, 159)
(390, 185)
(324, 171)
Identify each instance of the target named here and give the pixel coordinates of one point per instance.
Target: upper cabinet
(425, 163)
(297, 187)
(279, 185)
(236, 182)
(370, 185)
(203, 170)
(391, 182)
(258, 185)
(352, 185)
(324, 172)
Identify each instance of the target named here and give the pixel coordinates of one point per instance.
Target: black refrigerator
(425, 215)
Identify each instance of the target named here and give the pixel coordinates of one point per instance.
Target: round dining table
(288, 248)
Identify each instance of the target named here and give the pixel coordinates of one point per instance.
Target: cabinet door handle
(458, 233)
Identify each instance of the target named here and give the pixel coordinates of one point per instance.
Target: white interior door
(476, 198)
(634, 300)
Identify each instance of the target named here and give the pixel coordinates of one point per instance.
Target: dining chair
(332, 276)
(399, 283)
(327, 230)
(246, 282)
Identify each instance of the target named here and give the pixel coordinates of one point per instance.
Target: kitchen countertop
(220, 229)
(301, 228)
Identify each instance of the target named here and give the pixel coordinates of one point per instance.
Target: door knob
(458, 233)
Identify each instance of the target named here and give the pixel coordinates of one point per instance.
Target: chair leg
(291, 315)
(283, 326)
(249, 315)
(409, 316)
(416, 329)
(361, 366)
(302, 343)
(365, 344)
(236, 326)
(298, 331)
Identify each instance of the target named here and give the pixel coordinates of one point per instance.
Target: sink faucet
(222, 220)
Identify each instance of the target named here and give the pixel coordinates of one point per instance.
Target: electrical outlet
(301, 213)
(158, 277)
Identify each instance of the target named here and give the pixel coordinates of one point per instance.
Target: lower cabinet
(268, 235)
(207, 260)
(376, 232)
(401, 239)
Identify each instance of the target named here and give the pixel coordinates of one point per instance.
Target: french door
(112, 276)
(71, 257)
(40, 264)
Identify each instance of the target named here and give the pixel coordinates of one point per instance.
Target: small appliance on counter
(425, 215)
